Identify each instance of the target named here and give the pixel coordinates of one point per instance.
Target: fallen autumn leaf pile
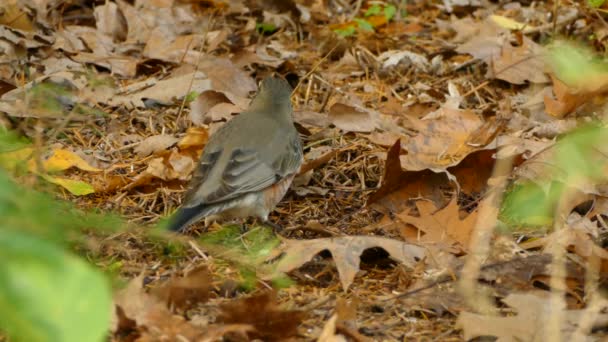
(454, 183)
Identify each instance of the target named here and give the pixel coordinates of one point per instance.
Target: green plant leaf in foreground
(596, 3)
(48, 294)
(576, 65)
(577, 162)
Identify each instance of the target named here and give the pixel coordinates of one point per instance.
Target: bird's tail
(184, 216)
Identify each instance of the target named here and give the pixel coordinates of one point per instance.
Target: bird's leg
(243, 225)
(275, 227)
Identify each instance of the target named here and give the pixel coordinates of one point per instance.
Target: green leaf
(575, 64)
(265, 28)
(374, 10)
(364, 24)
(578, 161)
(347, 32)
(11, 141)
(389, 12)
(192, 96)
(48, 294)
(596, 3)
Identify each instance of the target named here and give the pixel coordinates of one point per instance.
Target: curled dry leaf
(346, 252)
(399, 186)
(270, 322)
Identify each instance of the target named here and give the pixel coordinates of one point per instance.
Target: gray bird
(248, 164)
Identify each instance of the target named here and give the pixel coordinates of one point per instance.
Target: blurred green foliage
(596, 3)
(48, 293)
(574, 64)
(579, 160)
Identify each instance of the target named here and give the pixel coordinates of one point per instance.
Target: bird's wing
(246, 171)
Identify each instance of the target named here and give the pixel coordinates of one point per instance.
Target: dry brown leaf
(565, 100)
(307, 117)
(531, 322)
(271, 323)
(155, 143)
(164, 91)
(171, 166)
(473, 172)
(183, 293)
(350, 119)
(443, 227)
(137, 310)
(203, 103)
(399, 186)
(447, 138)
(110, 21)
(346, 252)
(385, 139)
(519, 64)
(487, 43)
(228, 78)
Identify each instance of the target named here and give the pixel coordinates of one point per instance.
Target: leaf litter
(404, 108)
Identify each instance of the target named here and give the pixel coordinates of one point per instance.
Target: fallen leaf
(13, 15)
(271, 323)
(350, 119)
(565, 100)
(76, 187)
(510, 24)
(443, 227)
(63, 159)
(163, 91)
(447, 138)
(519, 64)
(137, 309)
(110, 21)
(346, 252)
(196, 137)
(203, 103)
(473, 172)
(398, 186)
(155, 143)
(532, 322)
(185, 292)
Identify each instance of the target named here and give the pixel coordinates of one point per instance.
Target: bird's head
(274, 95)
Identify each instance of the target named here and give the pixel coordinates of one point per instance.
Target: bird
(248, 164)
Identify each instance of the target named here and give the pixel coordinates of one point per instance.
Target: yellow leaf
(76, 187)
(64, 159)
(12, 15)
(509, 23)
